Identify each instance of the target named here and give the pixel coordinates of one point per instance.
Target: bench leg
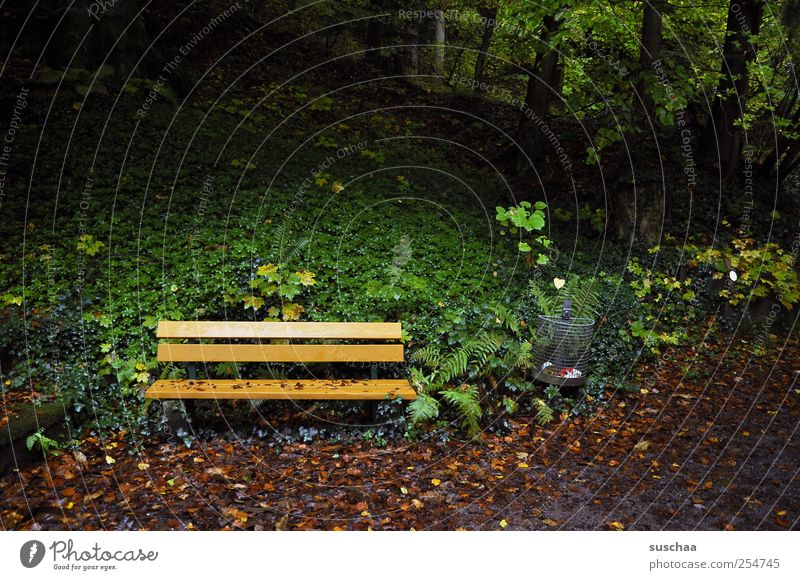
(176, 417)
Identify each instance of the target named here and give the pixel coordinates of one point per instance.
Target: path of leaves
(711, 448)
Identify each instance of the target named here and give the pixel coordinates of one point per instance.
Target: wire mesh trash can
(562, 348)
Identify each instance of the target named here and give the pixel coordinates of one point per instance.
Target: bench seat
(346, 389)
(310, 343)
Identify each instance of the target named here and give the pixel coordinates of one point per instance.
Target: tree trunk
(649, 53)
(490, 14)
(438, 41)
(780, 162)
(537, 96)
(721, 134)
(409, 62)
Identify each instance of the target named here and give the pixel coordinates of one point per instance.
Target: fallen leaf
(641, 445)
(616, 526)
(436, 482)
(143, 466)
(503, 524)
(110, 460)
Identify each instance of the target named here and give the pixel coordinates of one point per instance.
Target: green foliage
(761, 270)
(475, 351)
(465, 400)
(273, 287)
(47, 445)
(544, 414)
(528, 219)
(584, 293)
(88, 245)
(423, 409)
(667, 305)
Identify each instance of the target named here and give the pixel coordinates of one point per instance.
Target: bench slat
(342, 353)
(236, 329)
(285, 389)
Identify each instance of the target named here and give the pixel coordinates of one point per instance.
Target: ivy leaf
(524, 247)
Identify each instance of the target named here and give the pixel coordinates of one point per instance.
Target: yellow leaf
(523, 465)
(436, 482)
(365, 514)
(267, 269)
(292, 311)
(503, 524)
(143, 466)
(70, 505)
(306, 278)
(617, 526)
(110, 460)
(337, 187)
(641, 445)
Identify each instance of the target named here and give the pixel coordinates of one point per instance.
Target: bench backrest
(267, 331)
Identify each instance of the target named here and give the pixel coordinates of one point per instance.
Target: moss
(27, 419)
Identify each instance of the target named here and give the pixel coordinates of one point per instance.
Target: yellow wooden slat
(234, 329)
(343, 353)
(286, 389)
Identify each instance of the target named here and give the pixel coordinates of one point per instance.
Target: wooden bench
(280, 342)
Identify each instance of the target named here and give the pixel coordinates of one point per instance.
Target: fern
(521, 359)
(428, 355)
(546, 303)
(477, 350)
(423, 408)
(544, 414)
(466, 402)
(282, 249)
(584, 293)
(585, 296)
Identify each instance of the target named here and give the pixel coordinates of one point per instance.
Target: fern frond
(295, 250)
(465, 401)
(544, 414)
(585, 296)
(477, 350)
(282, 248)
(507, 318)
(521, 358)
(546, 303)
(428, 355)
(423, 408)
